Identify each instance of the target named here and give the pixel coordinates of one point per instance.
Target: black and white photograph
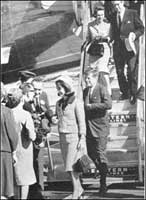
(72, 100)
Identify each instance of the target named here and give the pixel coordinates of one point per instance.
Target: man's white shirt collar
(122, 13)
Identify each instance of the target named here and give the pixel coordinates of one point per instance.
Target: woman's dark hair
(66, 86)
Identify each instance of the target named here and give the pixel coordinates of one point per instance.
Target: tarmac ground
(115, 191)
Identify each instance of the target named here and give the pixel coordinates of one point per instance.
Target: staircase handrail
(140, 104)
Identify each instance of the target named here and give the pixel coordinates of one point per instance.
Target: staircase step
(121, 137)
(124, 105)
(121, 112)
(121, 124)
(122, 129)
(129, 163)
(129, 149)
(110, 180)
(121, 142)
(122, 154)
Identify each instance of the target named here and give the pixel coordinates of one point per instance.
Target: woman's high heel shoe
(81, 195)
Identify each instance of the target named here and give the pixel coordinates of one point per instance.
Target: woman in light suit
(72, 130)
(101, 30)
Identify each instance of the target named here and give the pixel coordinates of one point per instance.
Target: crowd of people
(119, 35)
(26, 116)
(31, 119)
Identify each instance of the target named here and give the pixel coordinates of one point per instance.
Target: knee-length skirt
(68, 145)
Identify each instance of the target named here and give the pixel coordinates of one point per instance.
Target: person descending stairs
(124, 151)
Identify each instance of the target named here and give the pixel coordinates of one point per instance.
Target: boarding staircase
(125, 151)
(123, 142)
(125, 147)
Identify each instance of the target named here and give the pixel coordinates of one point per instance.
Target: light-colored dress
(24, 171)
(103, 30)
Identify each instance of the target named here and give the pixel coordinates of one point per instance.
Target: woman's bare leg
(77, 188)
(24, 191)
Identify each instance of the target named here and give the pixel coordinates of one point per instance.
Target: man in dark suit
(42, 108)
(96, 102)
(126, 28)
(135, 4)
(41, 99)
(25, 77)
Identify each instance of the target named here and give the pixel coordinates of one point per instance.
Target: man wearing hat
(25, 76)
(42, 119)
(127, 27)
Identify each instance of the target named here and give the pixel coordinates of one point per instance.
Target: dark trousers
(96, 148)
(127, 83)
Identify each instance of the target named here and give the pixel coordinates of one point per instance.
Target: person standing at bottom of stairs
(96, 102)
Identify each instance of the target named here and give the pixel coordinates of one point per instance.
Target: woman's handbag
(95, 48)
(25, 136)
(82, 161)
(82, 165)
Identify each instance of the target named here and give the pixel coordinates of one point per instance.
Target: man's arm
(88, 36)
(30, 127)
(46, 107)
(106, 103)
(11, 130)
(139, 27)
(80, 117)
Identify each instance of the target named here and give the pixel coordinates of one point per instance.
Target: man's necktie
(37, 101)
(119, 20)
(90, 93)
(38, 108)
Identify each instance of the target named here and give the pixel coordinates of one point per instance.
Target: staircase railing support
(140, 103)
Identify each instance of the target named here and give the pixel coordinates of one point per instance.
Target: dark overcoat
(9, 140)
